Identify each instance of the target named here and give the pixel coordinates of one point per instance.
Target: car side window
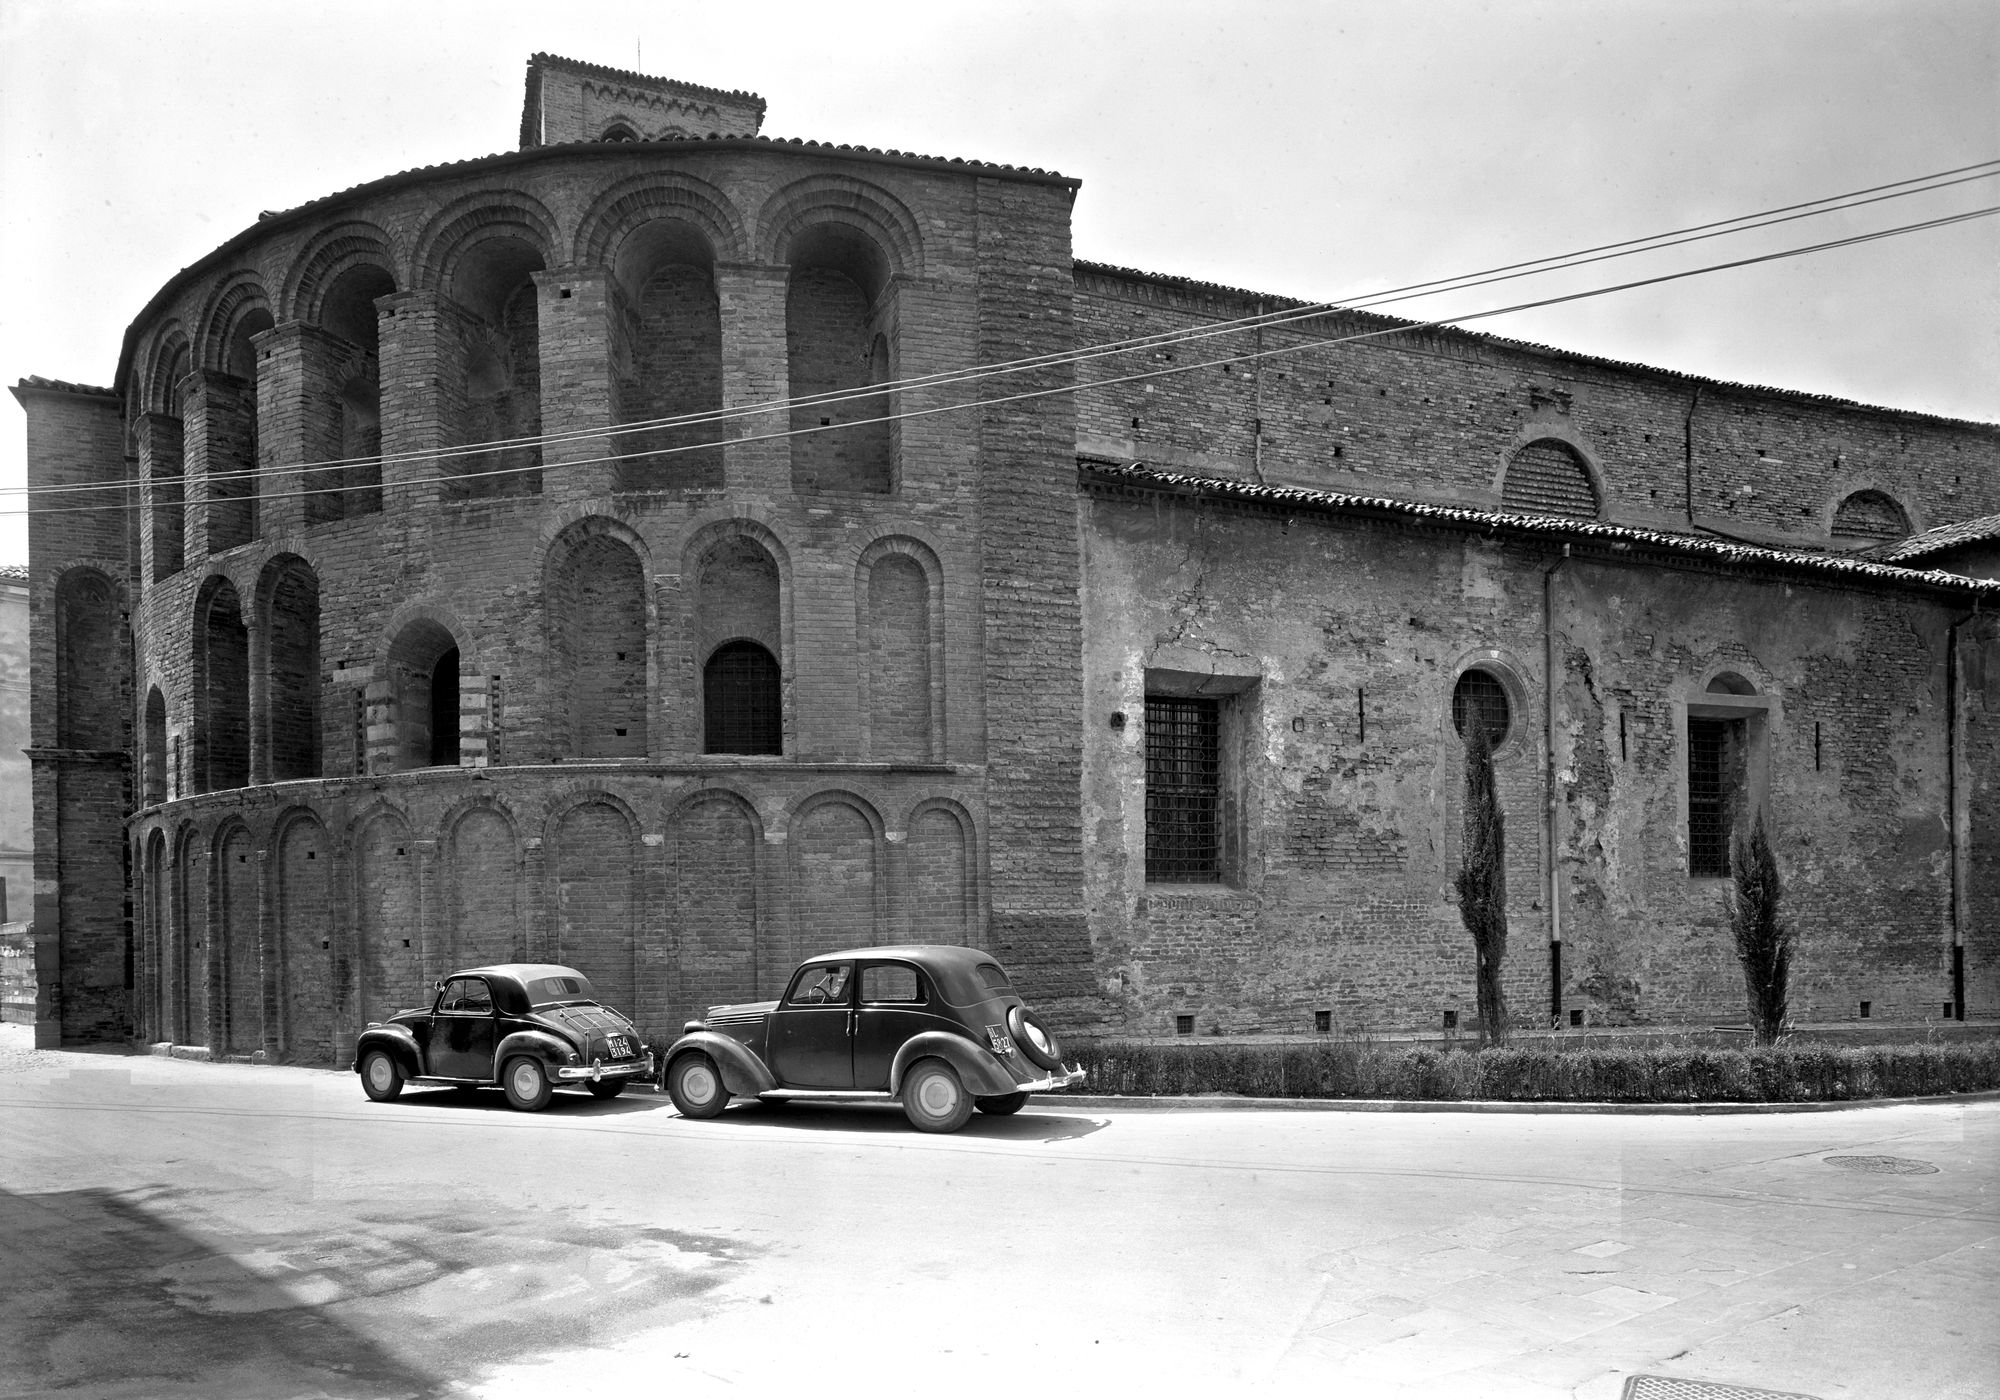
(816, 986)
(466, 996)
(891, 982)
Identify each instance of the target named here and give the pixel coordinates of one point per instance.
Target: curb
(1228, 1103)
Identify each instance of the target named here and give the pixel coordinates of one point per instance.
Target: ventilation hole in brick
(1337, 450)
(1576, 1017)
(406, 942)
(1323, 1022)
(312, 855)
(325, 943)
(1135, 422)
(399, 850)
(826, 422)
(1381, 393)
(1947, 1011)
(241, 859)
(1865, 1008)
(565, 293)
(619, 732)
(1451, 1020)
(621, 656)
(1183, 1025)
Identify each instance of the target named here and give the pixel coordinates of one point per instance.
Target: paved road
(173, 1229)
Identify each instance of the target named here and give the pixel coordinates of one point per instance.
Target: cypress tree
(1763, 939)
(1482, 880)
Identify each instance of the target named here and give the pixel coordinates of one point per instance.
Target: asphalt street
(177, 1229)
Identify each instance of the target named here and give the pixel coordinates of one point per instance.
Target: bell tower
(568, 101)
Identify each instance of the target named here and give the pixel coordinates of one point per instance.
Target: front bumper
(597, 1069)
(1064, 1078)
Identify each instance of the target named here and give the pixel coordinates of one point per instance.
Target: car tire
(606, 1088)
(934, 1098)
(381, 1076)
(1034, 1038)
(695, 1085)
(527, 1084)
(1000, 1105)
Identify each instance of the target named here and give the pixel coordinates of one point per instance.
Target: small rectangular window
(1183, 789)
(1709, 796)
(994, 978)
(891, 982)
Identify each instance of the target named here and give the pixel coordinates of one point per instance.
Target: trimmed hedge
(1801, 1073)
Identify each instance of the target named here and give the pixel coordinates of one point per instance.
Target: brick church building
(366, 646)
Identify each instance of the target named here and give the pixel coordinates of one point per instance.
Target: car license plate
(620, 1047)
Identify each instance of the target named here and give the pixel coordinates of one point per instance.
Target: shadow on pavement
(563, 1103)
(1025, 1126)
(102, 1296)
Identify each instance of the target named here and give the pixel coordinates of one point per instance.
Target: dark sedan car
(528, 1027)
(939, 1029)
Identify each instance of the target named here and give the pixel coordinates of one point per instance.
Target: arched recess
(158, 438)
(168, 999)
(288, 630)
(840, 338)
(422, 670)
(347, 397)
(93, 703)
(483, 856)
(1866, 518)
(387, 926)
(900, 627)
(482, 254)
(221, 747)
(596, 898)
(619, 131)
(943, 889)
(1548, 476)
(667, 357)
(153, 772)
(229, 410)
(188, 913)
(739, 611)
(600, 619)
(836, 863)
(713, 840)
(308, 984)
(233, 923)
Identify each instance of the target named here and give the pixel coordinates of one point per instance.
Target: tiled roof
(13, 573)
(1975, 531)
(627, 75)
(63, 386)
(1139, 477)
(1274, 304)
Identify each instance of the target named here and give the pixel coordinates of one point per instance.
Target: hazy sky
(1311, 150)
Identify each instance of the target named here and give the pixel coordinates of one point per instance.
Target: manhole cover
(1885, 1166)
(1671, 1388)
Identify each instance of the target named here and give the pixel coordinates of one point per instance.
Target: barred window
(1480, 699)
(1183, 789)
(1708, 796)
(740, 700)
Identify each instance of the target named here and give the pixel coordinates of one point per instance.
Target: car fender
(742, 1072)
(978, 1067)
(398, 1041)
(549, 1048)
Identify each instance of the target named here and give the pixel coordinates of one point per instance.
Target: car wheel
(381, 1076)
(606, 1088)
(1036, 1040)
(527, 1083)
(696, 1087)
(1000, 1105)
(933, 1098)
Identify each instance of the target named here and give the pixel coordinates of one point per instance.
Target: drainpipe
(1687, 453)
(1257, 401)
(1954, 819)
(1553, 882)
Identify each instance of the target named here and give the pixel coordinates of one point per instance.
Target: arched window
(618, 131)
(1479, 699)
(222, 689)
(1548, 478)
(155, 777)
(423, 681)
(597, 617)
(353, 418)
(1869, 517)
(289, 604)
(669, 358)
(837, 324)
(501, 347)
(741, 703)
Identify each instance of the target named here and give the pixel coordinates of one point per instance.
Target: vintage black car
(940, 1029)
(530, 1028)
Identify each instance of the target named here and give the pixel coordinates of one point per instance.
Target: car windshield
(553, 991)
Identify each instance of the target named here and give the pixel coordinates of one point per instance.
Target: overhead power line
(1155, 372)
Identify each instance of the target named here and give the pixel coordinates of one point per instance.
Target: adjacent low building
(672, 551)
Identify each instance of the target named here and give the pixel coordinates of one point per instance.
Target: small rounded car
(939, 1029)
(530, 1028)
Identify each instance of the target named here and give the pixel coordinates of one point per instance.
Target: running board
(832, 1095)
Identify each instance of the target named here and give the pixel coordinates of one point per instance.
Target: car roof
(936, 954)
(519, 972)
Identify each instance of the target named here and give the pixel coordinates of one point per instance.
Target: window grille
(1547, 478)
(1479, 698)
(1708, 797)
(1183, 789)
(740, 700)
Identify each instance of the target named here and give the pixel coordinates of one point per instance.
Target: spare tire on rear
(1036, 1040)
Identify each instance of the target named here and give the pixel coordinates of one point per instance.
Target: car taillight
(997, 1037)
